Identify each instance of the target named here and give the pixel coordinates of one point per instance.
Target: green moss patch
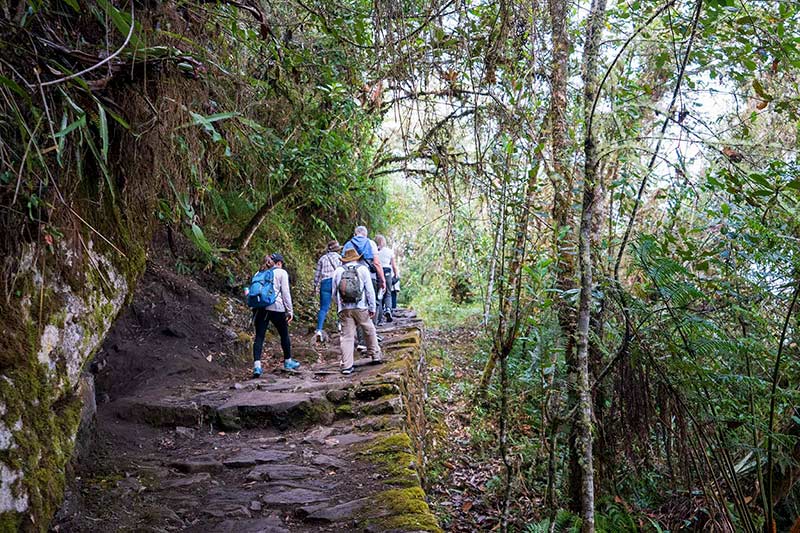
(402, 510)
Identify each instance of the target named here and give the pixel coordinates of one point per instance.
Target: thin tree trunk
(243, 240)
(563, 223)
(590, 183)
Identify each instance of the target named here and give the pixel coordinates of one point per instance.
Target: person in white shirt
(387, 261)
(357, 313)
(280, 313)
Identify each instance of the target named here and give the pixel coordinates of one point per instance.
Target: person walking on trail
(369, 252)
(279, 313)
(323, 282)
(355, 300)
(387, 261)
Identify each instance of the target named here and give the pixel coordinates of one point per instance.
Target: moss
(344, 410)
(401, 510)
(373, 392)
(10, 522)
(394, 458)
(317, 410)
(45, 441)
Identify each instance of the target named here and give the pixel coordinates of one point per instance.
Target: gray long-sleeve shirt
(284, 301)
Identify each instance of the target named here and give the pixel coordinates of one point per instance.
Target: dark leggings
(387, 294)
(261, 319)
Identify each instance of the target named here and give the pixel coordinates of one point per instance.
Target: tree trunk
(563, 224)
(243, 240)
(590, 181)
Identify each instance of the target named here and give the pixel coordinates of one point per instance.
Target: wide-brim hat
(334, 246)
(350, 255)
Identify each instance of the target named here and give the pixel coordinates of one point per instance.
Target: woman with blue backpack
(271, 300)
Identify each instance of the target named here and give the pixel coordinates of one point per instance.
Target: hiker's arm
(317, 274)
(379, 269)
(287, 296)
(394, 268)
(370, 291)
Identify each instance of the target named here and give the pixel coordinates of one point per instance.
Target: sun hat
(334, 246)
(277, 257)
(350, 255)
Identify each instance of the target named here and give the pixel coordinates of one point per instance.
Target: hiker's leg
(347, 337)
(394, 299)
(377, 303)
(261, 322)
(324, 302)
(278, 318)
(387, 295)
(373, 349)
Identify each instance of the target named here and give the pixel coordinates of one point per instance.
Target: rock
(318, 436)
(161, 412)
(237, 386)
(373, 392)
(337, 396)
(199, 464)
(255, 457)
(278, 472)
(389, 405)
(256, 506)
(184, 432)
(186, 481)
(328, 461)
(224, 509)
(379, 423)
(258, 525)
(337, 513)
(295, 496)
(348, 438)
(253, 409)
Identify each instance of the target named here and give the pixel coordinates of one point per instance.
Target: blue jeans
(324, 301)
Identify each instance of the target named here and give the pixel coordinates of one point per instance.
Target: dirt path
(290, 452)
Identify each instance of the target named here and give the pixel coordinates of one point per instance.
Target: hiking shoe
(361, 348)
(291, 364)
(380, 339)
(348, 371)
(377, 359)
(257, 372)
(388, 317)
(318, 335)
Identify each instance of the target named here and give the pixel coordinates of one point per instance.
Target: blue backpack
(261, 292)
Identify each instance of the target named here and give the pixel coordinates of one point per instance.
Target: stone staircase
(291, 452)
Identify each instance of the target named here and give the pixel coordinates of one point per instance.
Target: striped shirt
(326, 266)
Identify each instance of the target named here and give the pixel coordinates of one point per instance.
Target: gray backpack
(350, 288)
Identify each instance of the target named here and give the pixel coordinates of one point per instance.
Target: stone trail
(290, 452)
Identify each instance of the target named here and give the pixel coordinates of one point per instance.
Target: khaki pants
(350, 319)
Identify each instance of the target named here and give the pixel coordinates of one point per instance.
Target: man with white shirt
(355, 298)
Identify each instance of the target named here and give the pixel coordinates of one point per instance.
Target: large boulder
(62, 303)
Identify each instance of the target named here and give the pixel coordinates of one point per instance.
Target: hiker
(355, 300)
(386, 259)
(395, 291)
(278, 311)
(323, 281)
(369, 252)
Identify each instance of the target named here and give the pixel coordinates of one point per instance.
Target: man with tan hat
(355, 298)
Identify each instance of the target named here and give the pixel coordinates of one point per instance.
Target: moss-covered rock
(64, 306)
(401, 510)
